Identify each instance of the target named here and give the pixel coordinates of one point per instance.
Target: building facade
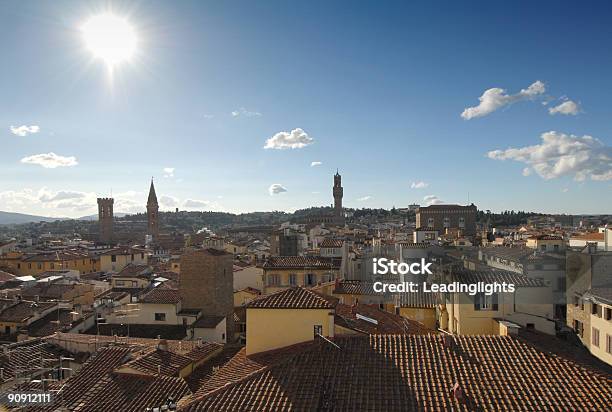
(447, 217)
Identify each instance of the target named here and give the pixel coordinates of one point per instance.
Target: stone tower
(207, 283)
(105, 219)
(338, 192)
(152, 213)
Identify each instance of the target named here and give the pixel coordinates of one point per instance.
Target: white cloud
(364, 198)
(297, 139)
(568, 108)
(561, 154)
(50, 160)
(565, 190)
(526, 172)
(168, 202)
(432, 200)
(313, 164)
(196, 204)
(24, 130)
(209, 116)
(276, 188)
(244, 112)
(168, 171)
(419, 185)
(496, 98)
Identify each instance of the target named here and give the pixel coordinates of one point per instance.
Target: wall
(296, 325)
(426, 316)
(212, 335)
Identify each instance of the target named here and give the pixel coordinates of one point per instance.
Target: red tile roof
(332, 243)
(406, 372)
(495, 275)
(357, 318)
(162, 296)
(165, 362)
(301, 262)
(293, 298)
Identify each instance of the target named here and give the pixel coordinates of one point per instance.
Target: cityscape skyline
(220, 105)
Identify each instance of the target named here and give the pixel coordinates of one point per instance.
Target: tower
(152, 213)
(105, 219)
(338, 192)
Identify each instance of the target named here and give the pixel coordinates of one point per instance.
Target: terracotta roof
(332, 243)
(57, 256)
(301, 262)
(162, 296)
(49, 324)
(23, 355)
(464, 275)
(5, 276)
(24, 310)
(208, 321)
(131, 393)
(593, 237)
(372, 320)
(546, 237)
(406, 372)
(354, 287)
(293, 298)
(169, 363)
(250, 290)
(124, 250)
(47, 290)
(418, 299)
(132, 271)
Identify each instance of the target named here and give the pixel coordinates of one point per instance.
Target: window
(29, 266)
(595, 310)
(578, 327)
(18, 265)
(608, 313)
(461, 222)
(39, 266)
(310, 279)
(134, 284)
(161, 317)
(609, 344)
(543, 248)
(595, 337)
(430, 222)
(446, 222)
(484, 302)
(132, 257)
(273, 280)
(119, 282)
(113, 258)
(292, 279)
(556, 248)
(52, 265)
(318, 330)
(142, 255)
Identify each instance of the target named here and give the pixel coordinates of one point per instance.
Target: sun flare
(110, 38)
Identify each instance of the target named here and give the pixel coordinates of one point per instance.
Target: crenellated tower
(338, 192)
(105, 219)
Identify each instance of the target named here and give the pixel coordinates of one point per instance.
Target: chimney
(163, 345)
(457, 392)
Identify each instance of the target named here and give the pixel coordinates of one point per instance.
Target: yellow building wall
(107, 265)
(284, 278)
(34, 268)
(269, 329)
(241, 298)
(426, 316)
(605, 328)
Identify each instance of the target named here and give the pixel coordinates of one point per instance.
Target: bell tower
(338, 192)
(105, 219)
(152, 212)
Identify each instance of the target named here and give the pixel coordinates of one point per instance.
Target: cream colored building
(530, 306)
(546, 243)
(291, 316)
(116, 259)
(283, 272)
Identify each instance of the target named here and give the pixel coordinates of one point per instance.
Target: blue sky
(378, 90)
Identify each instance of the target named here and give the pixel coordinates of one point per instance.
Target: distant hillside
(10, 218)
(95, 217)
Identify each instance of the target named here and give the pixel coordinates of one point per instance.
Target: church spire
(152, 200)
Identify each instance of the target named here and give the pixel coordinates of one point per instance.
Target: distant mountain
(10, 218)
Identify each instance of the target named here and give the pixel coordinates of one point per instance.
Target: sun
(110, 38)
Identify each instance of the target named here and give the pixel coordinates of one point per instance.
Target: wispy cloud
(364, 198)
(24, 130)
(561, 154)
(419, 185)
(208, 116)
(168, 171)
(245, 113)
(313, 164)
(276, 188)
(496, 98)
(568, 107)
(50, 160)
(296, 139)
